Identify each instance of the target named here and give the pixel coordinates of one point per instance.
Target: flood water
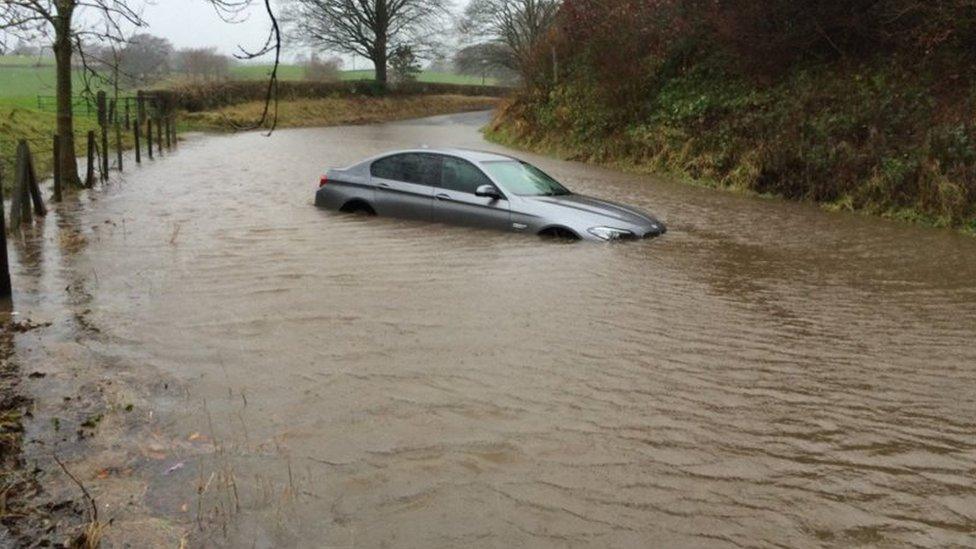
(767, 374)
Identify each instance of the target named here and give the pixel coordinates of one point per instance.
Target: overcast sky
(194, 23)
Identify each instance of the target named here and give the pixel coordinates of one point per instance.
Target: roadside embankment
(338, 110)
(872, 112)
(208, 96)
(39, 127)
(872, 139)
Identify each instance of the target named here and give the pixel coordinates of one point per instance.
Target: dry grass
(336, 111)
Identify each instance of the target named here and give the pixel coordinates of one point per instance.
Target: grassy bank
(862, 105)
(338, 111)
(881, 138)
(38, 127)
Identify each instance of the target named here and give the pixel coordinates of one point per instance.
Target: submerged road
(268, 374)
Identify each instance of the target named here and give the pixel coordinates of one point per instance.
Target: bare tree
(370, 28)
(70, 24)
(322, 70)
(508, 30)
(62, 21)
(202, 63)
(146, 57)
(487, 59)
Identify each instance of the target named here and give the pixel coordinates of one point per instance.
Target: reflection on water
(767, 373)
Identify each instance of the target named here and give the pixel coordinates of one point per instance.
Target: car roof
(467, 154)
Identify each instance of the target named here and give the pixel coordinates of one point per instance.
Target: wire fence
(27, 157)
(80, 106)
(83, 105)
(125, 112)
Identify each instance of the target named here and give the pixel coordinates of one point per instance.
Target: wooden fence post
(20, 202)
(5, 287)
(57, 168)
(26, 189)
(90, 173)
(118, 144)
(159, 135)
(149, 131)
(140, 106)
(35, 189)
(135, 133)
(103, 124)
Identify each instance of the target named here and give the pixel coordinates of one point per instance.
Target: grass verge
(38, 128)
(869, 138)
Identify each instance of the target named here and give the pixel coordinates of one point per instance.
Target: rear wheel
(357, 207)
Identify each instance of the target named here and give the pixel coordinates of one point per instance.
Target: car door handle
(383, 185)
(443, 197)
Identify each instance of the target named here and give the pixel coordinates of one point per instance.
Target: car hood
(596, 206)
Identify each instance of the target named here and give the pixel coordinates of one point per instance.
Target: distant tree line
(318, 69)
(145, 59)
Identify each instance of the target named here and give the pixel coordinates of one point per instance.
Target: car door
(455, 201)
(404, 185)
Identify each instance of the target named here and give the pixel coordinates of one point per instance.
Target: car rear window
(422, 169)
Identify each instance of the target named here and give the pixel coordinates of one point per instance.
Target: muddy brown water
(268, 374)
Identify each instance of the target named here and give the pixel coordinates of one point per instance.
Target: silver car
(478, 189)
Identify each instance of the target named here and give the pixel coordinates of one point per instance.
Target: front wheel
(559, 233)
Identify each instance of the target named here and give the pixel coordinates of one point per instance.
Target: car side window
(421, 169)
(461, 175)
(387, 168)
(430, 169)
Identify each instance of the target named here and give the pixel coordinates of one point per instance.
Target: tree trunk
(62, 54)
(380, 63)
(381, 28)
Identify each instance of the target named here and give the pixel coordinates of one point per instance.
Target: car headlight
(609, 233)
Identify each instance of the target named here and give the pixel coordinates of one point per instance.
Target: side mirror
(488, 191)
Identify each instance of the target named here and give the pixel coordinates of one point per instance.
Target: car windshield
(524, 179)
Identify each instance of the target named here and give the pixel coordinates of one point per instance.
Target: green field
(22, 79)
(20, 86)
(297, 72)
(25, 61)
